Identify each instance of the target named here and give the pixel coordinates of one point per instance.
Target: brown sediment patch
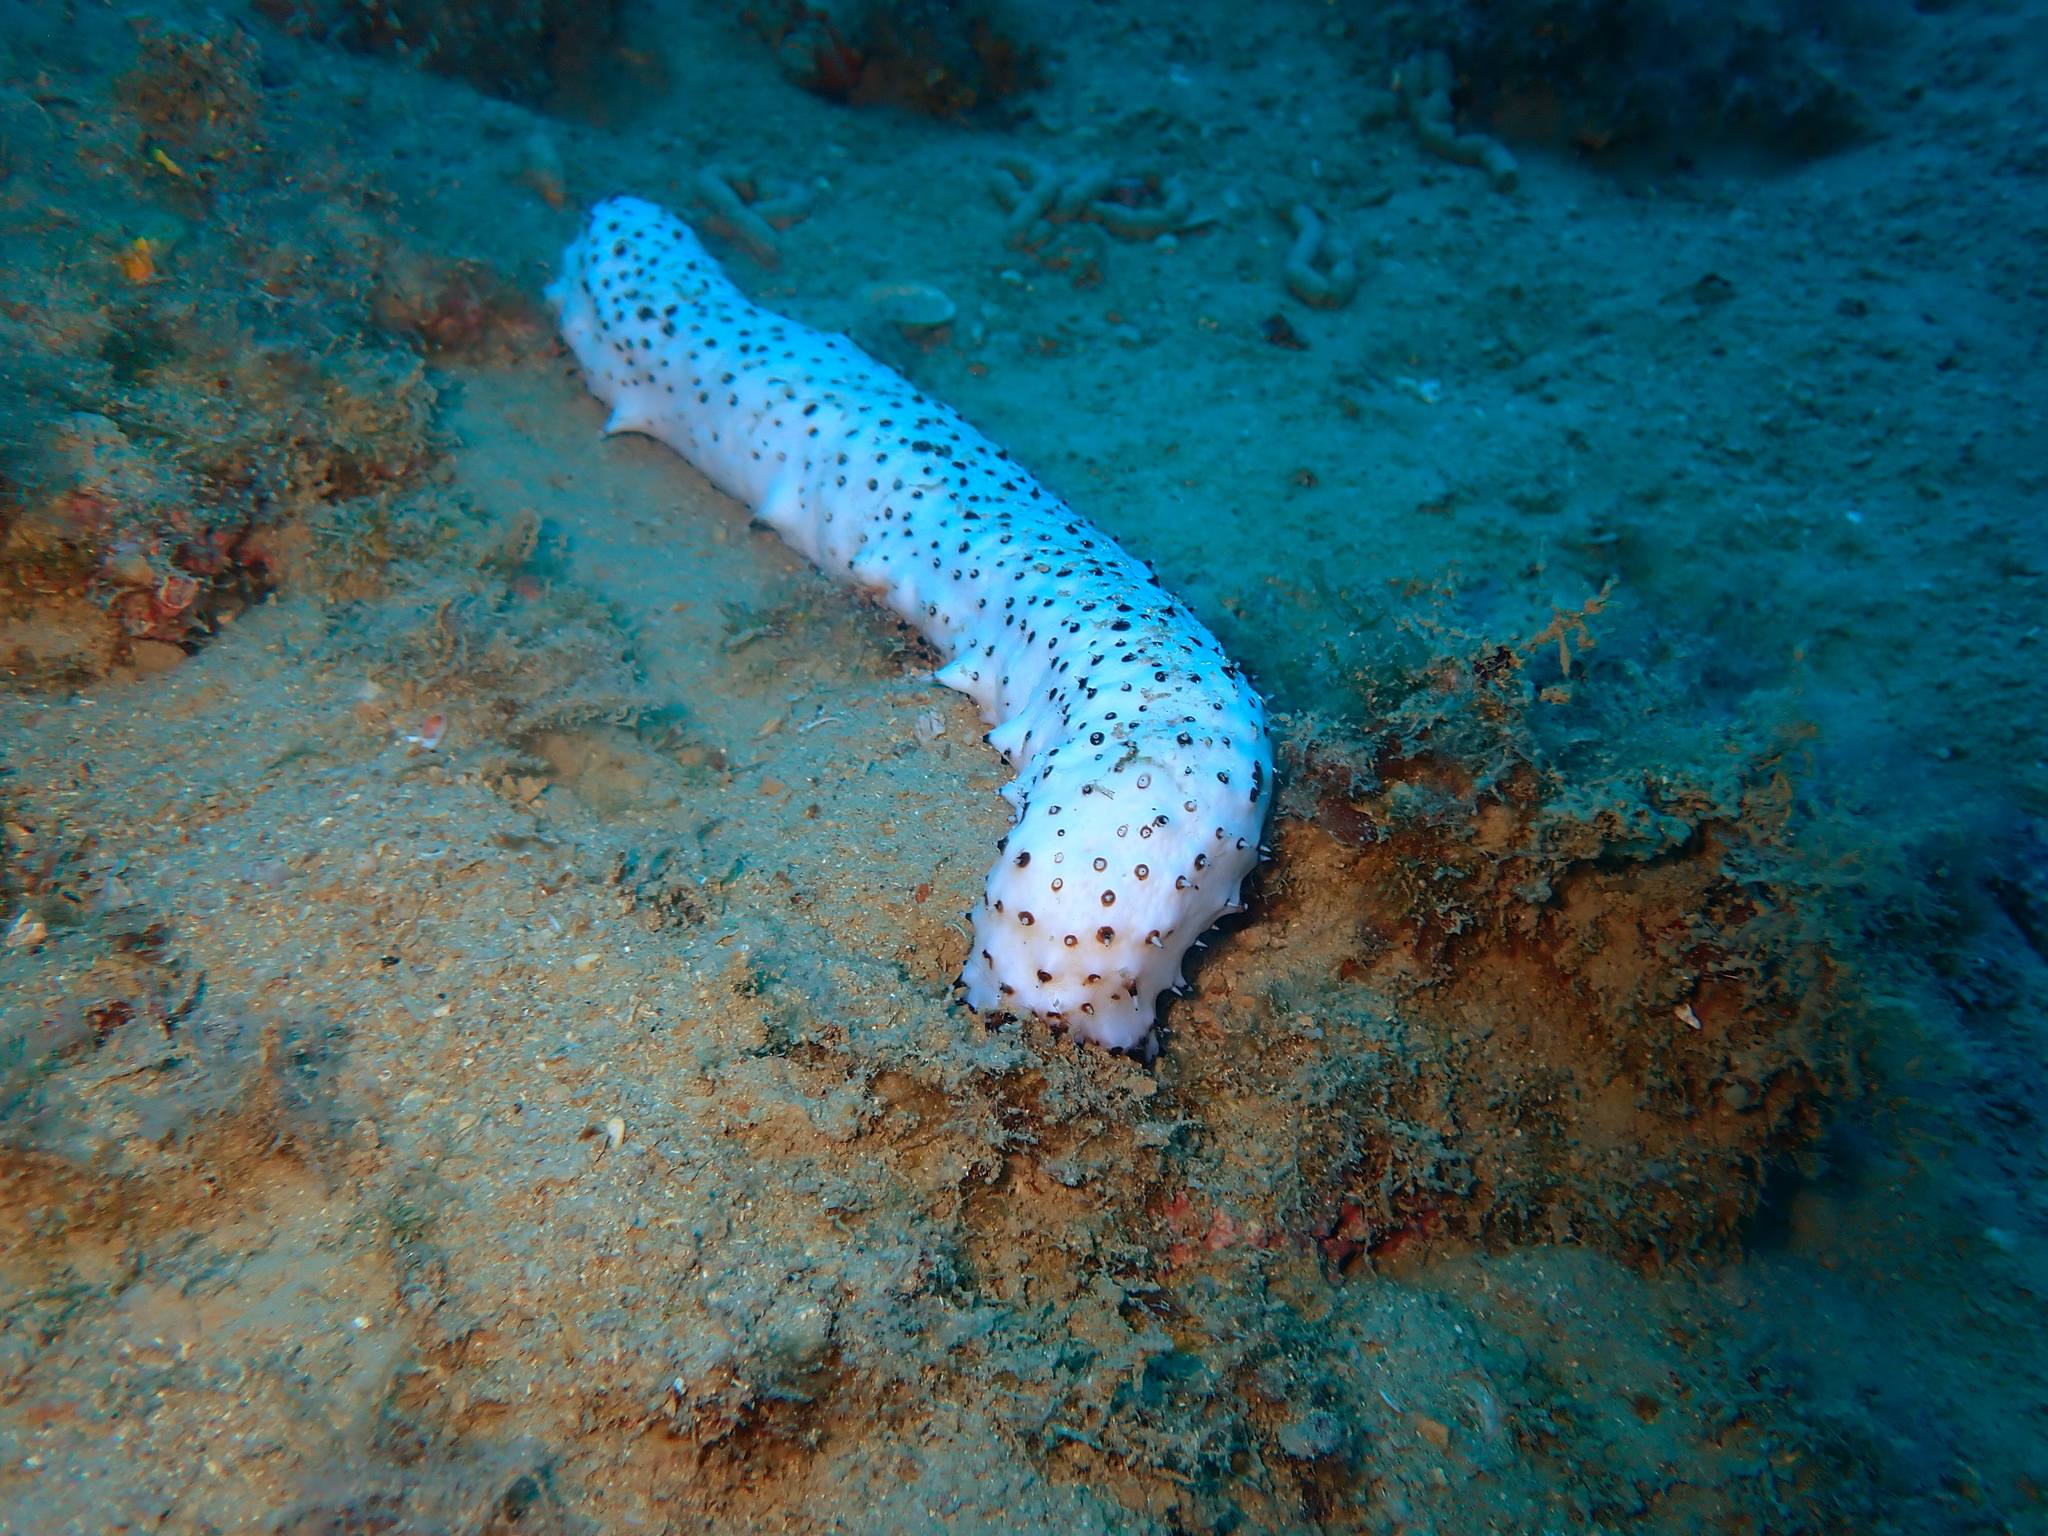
(1495, 1011)
(566, 55)
(457, 311)
(945, 60)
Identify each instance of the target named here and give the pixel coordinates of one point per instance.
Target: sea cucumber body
(1144, 768)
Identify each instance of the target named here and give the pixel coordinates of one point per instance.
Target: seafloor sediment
(476, 1050)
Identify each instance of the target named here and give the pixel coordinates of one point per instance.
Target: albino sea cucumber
(1144, 768)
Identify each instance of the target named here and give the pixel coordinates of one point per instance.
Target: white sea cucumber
(1144, 768)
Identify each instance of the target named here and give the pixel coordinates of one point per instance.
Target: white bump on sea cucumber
(1116, 708)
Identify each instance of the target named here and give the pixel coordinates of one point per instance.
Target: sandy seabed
(476, 1047)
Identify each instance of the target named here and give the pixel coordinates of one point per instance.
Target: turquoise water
(477, 1048)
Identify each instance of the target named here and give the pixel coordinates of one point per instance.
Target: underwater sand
(1619, 1109)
